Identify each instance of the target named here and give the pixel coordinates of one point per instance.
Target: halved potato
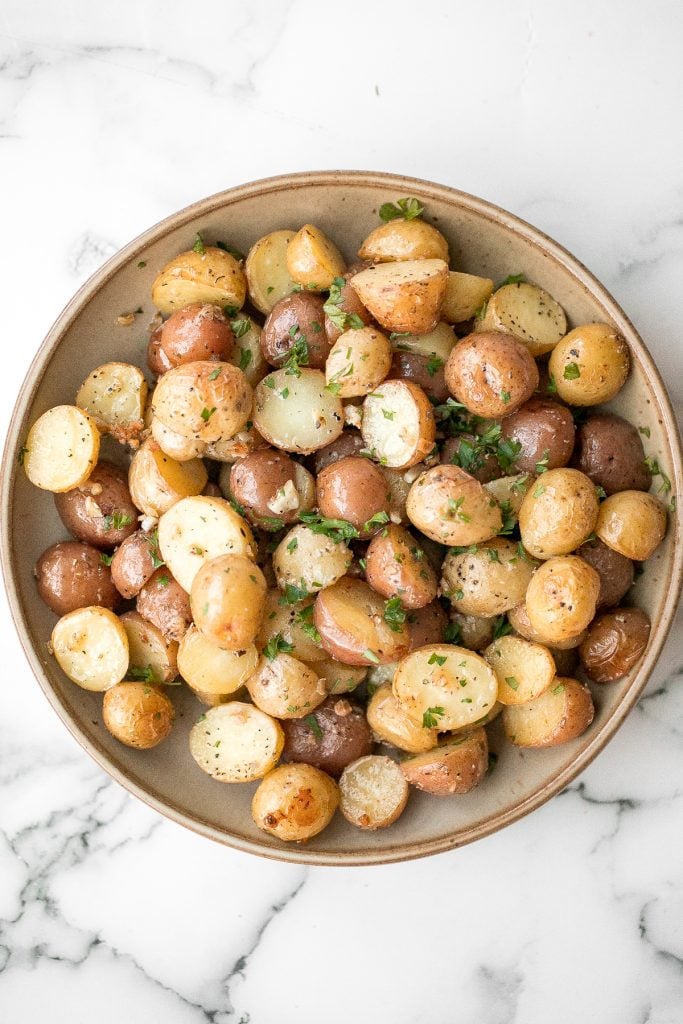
(404, 296)
(210, 669)
(204, 400)
(511, 490)
(358, 362)
(560, 714)
(176, 446)
(91, 648)
(156, 481)
(212, 276)
(452, 508)
(236, 742)
(61, 449)
(390, 724)
(309, 561)
(349, 617)
(293, 623)
(455, 766)
(528, 312)
(518, 618)
(266, 269)
(338, 678)
(465, 295)
(295, 802)
(200, 528)
(524, 670)
(152, 657)
(373, 792)
(488, 580)
(297, 413)
(402, 239)
(438, 342)
(313, 260)
(285, 687)
(444, 687)
(115, 395)
(398, 425)
(247, 354)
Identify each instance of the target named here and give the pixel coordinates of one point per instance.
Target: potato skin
(348, 443)
(137, 714)
(353, 489)
(255, 481)
(590, 365)
(206, 400)
(615, 571)
(426, 625)
(562, 597)
(348, 303)
(72, 575)
(350, 619)
(616, 641)
(92, 511)
(405, 295)
(295, 802)
(453, 767)
(296, 316)
(134, 562)
(452, 508)
(227, 600)
(212, 276)
(492, 374)
(609, 451)
(487, 581)
(538, 723)
(163, 602)
(157, 360)
(346, 736)
(425, 371)
(397, 567)
(402, 239)
(199, 331)
(632, 523)
(545, 430)
(558, 513)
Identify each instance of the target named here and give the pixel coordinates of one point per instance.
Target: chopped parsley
(21, 455)
(277, 645)
(388, 414)
(371, 656)
(304, 619)
(142, 673)
(571, 371)
(656, 470)
(542, 464)
(509, 519)
(452, 634)
(293, 545)
(342, 320)
(430, 718)
(206, 414)
(511, 279)
(215, 373)
(312, 723)
(505, 397)
(198, 245)
(512, 682)
(437, 659)
(539, 490)
(239, 256)
(293, 594)
(551, 386)
(117, 521)
(245, 358)
(394, 614)
(106, 559)
(407, 208)
(455, 510)
(434, 364)
(501, 627)
(240, 327)
(379, 519)
(338, 530)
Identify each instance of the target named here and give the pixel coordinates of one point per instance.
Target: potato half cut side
(236, 742)
(456, 766)
(297, 414)
(398, 425)
(115, 395)
(91, 648)
(390, 724)
(313, 260)
(349, 617)
(210, 669)
(197, 529)
(444, 687)
(153, 659)
(157, 481)
(285, 687)
(524, 670)
(61, 449)
(528, 312)
(560, 714)
(266, 269)
(373, 792)
(465, 295)
(404, 296)
(211, 276)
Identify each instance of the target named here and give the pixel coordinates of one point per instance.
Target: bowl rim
(425, 190)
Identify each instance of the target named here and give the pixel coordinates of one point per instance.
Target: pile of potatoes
(361, 511)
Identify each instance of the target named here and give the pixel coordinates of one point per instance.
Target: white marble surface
(112, 116)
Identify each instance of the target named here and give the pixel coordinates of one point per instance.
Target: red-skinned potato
(616, 572)
(157, 360)
(425, 371)
(100, 511)
(293, 318)
(397, 567)
(615, 642)
(545, 431)
(134, 562)
(356, 490)
(164, 603)
(73, 575)
(609, 451)
(348, 443)
(332, 736)
(427, 625)
(264, 483)
(199, 331)
(455, 766)
(491, 374)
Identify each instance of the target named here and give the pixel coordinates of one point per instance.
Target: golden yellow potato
(488, 580)
(527, 312)
(227, 599)
(283, 686)
(294, 624)
(404, 296)
(632, 523)
(149, 651)
(295, 802)
(209, 276)
(590, 365)
(156, 481)
(208, 668)
(373, 792)
(91, 647)
(560, 714)
(562, 597)
(465, 295)
(390, 724)
(558, 512)
(236, 742)
(518, 618)
(438, 342)
(313, 260)
(137, 714)
(452, 508)
(61, 449)
(204, 400)
(115, 395)
(455, 766)
(358, 362)
(524, 670)
(402, 239)
(266, 270)
(443, 687)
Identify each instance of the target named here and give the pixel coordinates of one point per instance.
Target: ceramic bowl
(484, 240)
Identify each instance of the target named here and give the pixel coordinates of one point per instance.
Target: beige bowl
(484, 240)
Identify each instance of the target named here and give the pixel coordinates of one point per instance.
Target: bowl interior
(483, 240)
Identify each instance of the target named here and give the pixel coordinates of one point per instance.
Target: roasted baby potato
(308, 561)
(358, 362)
(609, 451)
(152, 657)
(266, 270)
(99, 511)
(475, 632)
(491, 374)
(313, 260)
(133, 563)
(227, 599)
(524, 670)
(615, 571)
(349, 442)
(427, 625)
(137, 714)
(560, 714)
(157, 481)
(390, 724)
(91, 648)
(465, 296)
(164, 603)
(452, 508)
(632, 523)
(200, 528)
(373, 792)
(205, 400)
(355, 490)
(290, 627)
(444, 687)
(209, 276)
(488, 579)
(398, 424)
(295, 324)
(615, 642)
(343, 309)
(236, 742)
(283, 686)
(264, 484)
(562, 597)
(518, 617)
(425, 371)
(297, 414)
(330, 737)
(404, 296)
(544, 431)
(210, 669)
(397, 567)
(527, 312)
(402, 239)
(295, 802)
(558, 513)
(115, 395)
(61, 449)
(197, 332)
(72, 575)
(350, 618)
(455, 766)
(246, 353)
(590, 365)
